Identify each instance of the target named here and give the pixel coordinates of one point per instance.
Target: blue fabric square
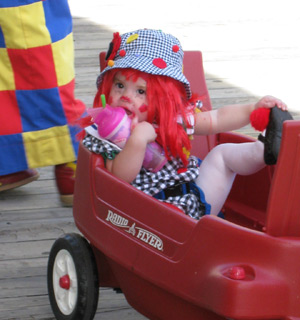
(15, 3)
(12, 155)
(2, 41)
(40, 109)
(58, 18)
(73, 132)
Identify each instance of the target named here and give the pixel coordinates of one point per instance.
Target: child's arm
(231, 117)
(127, 164)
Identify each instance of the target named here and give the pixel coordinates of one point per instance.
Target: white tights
(220, 166)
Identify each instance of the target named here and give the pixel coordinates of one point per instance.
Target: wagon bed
(170, 266)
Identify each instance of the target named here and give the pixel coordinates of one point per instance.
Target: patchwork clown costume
(37, 104)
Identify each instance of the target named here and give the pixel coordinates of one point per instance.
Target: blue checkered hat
(150, 51)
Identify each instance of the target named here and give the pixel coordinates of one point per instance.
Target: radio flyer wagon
(169, 266)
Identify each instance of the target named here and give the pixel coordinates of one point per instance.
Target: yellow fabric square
(63, 54)
(24, 26)
(7, 80)
(48, 147)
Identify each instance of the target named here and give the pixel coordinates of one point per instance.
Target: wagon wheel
(73, 285)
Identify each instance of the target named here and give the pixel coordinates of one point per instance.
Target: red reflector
(237, 273)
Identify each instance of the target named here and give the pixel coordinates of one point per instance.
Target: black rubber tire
(86, 274)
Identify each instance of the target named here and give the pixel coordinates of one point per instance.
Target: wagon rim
(65, 282)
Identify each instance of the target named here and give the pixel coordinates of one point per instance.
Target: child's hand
(270, 102)
(127, 164)
(145, 131)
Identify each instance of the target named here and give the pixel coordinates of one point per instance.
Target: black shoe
(272, 139)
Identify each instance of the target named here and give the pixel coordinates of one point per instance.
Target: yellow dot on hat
(132, 38)
(110, 63)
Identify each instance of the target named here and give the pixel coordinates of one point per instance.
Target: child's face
(130, 95)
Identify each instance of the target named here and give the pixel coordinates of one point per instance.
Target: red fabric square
(73, 108)
(33, 68)
(10, 119)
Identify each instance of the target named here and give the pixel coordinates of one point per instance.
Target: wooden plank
(28, 201)
(22, 231)
(10, 216)
(25, 250)
(25, 308)
(22, 287)
(17, 268)
(111, 306)
(40, 186)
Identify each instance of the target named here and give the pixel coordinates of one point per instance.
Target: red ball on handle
(259, 118)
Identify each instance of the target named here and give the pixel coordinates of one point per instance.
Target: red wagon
(169, 266)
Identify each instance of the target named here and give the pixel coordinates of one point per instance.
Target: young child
(144, 76)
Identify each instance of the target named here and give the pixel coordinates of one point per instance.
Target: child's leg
(220, 166)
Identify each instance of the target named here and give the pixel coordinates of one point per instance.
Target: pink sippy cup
(154, 157)
(114, 125)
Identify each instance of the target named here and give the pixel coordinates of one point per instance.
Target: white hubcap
(66, 296)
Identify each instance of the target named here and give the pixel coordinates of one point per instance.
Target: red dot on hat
(160, 63)
(175, 48)
(122, 53)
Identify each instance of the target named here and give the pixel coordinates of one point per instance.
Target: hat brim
(145, 64)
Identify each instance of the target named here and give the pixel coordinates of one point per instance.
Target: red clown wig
(166, 100)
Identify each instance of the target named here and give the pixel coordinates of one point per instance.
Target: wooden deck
(31, 217)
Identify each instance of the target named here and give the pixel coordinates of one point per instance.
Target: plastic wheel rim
(66, 299)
